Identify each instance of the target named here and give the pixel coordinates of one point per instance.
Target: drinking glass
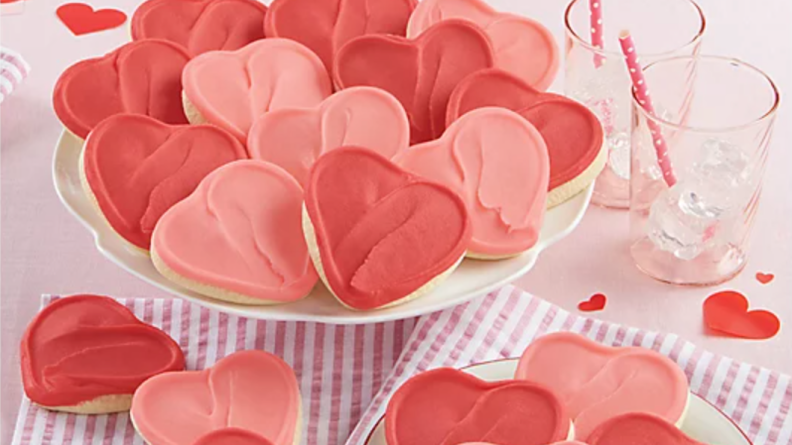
(598, 77)
(717, 128)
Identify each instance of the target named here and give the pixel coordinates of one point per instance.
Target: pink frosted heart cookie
(420, 73)
(324, 26)
(294, 138)
(598, 383)
(380, 236)
(231, 89)
(238, 237)
(573, 134)
(639, 428)
(142, 77)
(134, 168)
(449, 407)
(498, 163)
(523, 47)
(88, 354)
(199, 26)
(249, 390)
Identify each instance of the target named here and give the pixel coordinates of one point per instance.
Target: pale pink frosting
(240, 231)
(294, 138)
(232, 88)
(251, 390)
(598, 383)
(498, 162)
(523, 46)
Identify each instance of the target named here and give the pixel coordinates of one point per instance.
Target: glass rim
(769, 114)
(604, 52)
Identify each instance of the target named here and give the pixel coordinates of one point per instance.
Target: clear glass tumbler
(598, 77)
(718, 126)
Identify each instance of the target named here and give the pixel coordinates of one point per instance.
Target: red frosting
(142, 77)
(450, 407)
(137, 168)
(382, 233)
(232, 436)
(571, 131)
(200, 25)
(83, 347)
(639, 429)
(324, 26)
(420, 73)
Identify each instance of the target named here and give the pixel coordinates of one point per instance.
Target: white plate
(471, 279)
(703, 422)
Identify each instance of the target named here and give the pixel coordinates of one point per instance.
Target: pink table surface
(45, 250)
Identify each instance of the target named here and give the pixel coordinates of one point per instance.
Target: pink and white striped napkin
(345, 369)
(13, 70)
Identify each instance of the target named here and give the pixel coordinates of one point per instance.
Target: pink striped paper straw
(642, 94)
(597, 40)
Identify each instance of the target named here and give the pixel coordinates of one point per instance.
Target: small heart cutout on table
(81, 18)
(595, 303)
(764, 278)
(727, 312)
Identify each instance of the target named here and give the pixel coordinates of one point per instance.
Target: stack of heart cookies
(567, 390)
(253, 151)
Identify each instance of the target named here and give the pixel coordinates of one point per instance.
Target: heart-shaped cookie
(597, 383)
(448, 407)
(378, 235)
(639, 428)
(141, 77)
(324, 26)
(135, 168)
(523, 47)
(233, 436)
(362, 116)
(420, 73)
(200, 25)
(87, 354)
(572, 132)
(498, 163)
(238, 237)
(231, 89)
(249, 390)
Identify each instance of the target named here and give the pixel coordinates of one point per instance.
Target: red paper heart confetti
(81, 18)
(595, 303)
(727, 312)
(764, 278)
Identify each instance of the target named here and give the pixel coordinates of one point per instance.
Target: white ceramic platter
(471, 279)
(703, 422)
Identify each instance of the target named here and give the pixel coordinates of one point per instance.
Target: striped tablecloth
(347, 373)
(13, 70)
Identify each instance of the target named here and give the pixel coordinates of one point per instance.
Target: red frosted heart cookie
(135, 168)
(498, 163)
(378, 235)
(597, 383)
(140, 77)
(232, 436)
(523, 47)
(420, 73)
(362, 116)
(88, 354)
(238, 237)
(324, 26)
(572, 132)
(248, 390)
(639, 428)
(448, 407)
(200, 25)
(231, 89)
